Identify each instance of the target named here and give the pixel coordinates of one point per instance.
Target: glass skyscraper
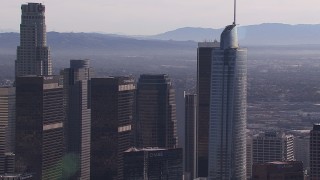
(39, 126)
(112, 109)
(78, 118)
(228, 93)
(190, 135)
(204, 57)
(156, 112)
(33, 55)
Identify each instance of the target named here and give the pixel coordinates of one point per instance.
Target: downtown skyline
(127, 17)
(58, 110)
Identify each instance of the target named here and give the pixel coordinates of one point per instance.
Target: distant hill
(262, 34)
(95, 44)
(190, 33)
(176, 42)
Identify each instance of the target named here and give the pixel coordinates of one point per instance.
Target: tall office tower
(78, 117)
(33, 55)
(39, 126)
(315, 152)
(153, 163)
(272, 146)
(156, 112)
(112, 108)
(190, 135)
(228, 112)
(292, 170)
(205, 50)
(7, 126)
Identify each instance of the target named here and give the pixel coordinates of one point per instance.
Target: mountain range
(262, 34)
(181, 40)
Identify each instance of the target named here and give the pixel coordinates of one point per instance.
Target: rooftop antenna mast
(235, 12)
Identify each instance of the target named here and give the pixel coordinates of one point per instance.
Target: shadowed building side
(315, 152)
(39, 126)
(153, 163)
(190, 135)
(156, 112)
(112, 100)
(204, 58)
(78, 119)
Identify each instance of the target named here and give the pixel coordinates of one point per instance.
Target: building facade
(204, 58)
(190, 135)
(301, 148)
(33, 55)
(7, 127)
(153, 163)
(272, 146)
(228, 114)
(78, 117)
(249, 157)
(277, 170)
(112, 109)
(268, 147)
(39, 126)
(155, 112)
(315, 152)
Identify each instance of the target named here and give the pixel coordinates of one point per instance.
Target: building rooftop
(316, 126)
(209, 44)
(284, 162)
(134, 149)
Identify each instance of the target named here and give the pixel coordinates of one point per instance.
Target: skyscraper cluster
(78, 126)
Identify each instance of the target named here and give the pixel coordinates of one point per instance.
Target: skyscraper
(33, 55)
(315, 152)
(78, 117)
(7, 127)
(39, 126)
(190, 135)
(112, 109)
(156, 112)
(228, 115)
(203, 90)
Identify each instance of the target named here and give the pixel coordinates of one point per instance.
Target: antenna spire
(235, 12)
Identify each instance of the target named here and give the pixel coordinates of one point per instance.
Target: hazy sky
(146, 17)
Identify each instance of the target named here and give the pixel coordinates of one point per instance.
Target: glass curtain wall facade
(78, 118)
(204, 59)
(156, 112)
(228, 115)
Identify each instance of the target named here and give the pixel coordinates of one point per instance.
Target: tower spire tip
(235, 12)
